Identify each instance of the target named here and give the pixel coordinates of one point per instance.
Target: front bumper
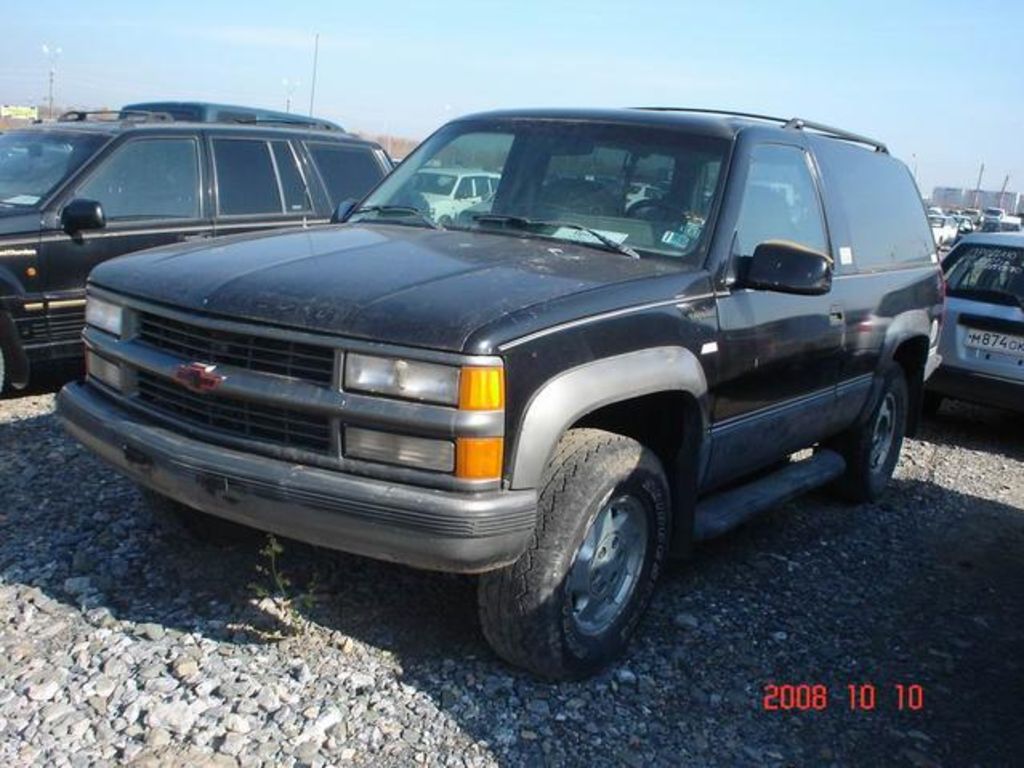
(422, 527)
(962, 384)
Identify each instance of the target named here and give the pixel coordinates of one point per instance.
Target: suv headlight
(408, 379)
(104, 315)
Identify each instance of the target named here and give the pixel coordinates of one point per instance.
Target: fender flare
(567, 397)
(911, 324)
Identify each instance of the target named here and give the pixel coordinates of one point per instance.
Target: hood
(386, 282)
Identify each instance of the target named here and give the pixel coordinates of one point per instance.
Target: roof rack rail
(113, 115)
(792, 123)
(304, 123)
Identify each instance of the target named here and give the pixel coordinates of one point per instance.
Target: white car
(450, 191)
(944, 230)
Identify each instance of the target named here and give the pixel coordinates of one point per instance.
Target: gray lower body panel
(421, 527)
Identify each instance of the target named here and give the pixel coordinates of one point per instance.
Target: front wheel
(570, 603)
(872, 448)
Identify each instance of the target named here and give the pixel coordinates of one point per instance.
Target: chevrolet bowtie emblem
(198, 377)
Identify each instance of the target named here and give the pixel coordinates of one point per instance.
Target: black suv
(82, 190)
(621, 350)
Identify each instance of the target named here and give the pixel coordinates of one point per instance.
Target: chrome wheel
(885, 428)
(607, 566)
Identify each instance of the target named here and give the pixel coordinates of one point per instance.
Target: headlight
(105, 315)
(110, 373)
(409, 379)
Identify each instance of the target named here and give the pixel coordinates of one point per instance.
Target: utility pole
(51, 55)
(977, 187)
(312, 86)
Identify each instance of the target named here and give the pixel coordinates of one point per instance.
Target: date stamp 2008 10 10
(859, 697)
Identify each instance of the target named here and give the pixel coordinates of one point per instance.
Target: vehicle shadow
(975, 427)
(46, 379)
(924, 587)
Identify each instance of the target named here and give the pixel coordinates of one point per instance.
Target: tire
(930, 403)
(870, 462)
(550, 612)
(444, 221)
(177, 518)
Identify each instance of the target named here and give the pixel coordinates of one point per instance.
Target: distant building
(14, 112)
(959, 197)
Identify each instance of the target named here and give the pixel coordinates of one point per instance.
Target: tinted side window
(148, 179)
(348, 172)
(246, 182)
(292, 185)
(780, 201)
(882, 205)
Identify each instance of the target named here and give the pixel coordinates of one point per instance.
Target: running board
(723, 511)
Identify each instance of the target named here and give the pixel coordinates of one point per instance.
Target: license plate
(994, 341)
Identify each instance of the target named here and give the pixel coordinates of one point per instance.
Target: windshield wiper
(524, 223)
(406, 210)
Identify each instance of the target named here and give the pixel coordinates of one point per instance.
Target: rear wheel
(175, 516)
(872, 448)
(570, 603)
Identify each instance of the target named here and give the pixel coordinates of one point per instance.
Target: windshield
(647, 191)
(32, 165)
(433, 183)
(986, 269)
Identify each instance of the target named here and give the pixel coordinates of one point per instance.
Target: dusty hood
(392, 283)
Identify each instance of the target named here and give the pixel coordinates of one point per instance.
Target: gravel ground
(122, 640)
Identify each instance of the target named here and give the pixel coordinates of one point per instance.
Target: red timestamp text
(857, 697)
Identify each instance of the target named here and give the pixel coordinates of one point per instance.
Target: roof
(716, 123)
(1007, 239)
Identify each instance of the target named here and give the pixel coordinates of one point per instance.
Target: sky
(939, 82)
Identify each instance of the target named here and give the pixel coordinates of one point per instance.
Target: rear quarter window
(881, 203)
(348, 171)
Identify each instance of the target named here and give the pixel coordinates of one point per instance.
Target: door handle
(197, 236)
(835, 315)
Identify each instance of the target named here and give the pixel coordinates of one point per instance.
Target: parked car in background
(450, 191)
(79, 191)
(555, 395)
(944, 230)
(982, 339)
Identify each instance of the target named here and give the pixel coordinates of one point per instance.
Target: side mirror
(81, 214)
(786, 267)
(343, 211)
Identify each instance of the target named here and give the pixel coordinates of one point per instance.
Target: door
(779, 354)
(150, 192)
(259, 185)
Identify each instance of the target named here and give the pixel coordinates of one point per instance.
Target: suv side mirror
(785, 267)
(82, 214)
(343, 211)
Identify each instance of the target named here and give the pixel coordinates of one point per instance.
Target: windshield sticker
(845, 254)
(582, 236)
(22, 200)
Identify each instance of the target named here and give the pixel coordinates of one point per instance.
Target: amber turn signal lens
(482, 389)
(478, 458)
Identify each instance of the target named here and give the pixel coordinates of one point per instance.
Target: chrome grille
(240, 418)
(256, 353)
